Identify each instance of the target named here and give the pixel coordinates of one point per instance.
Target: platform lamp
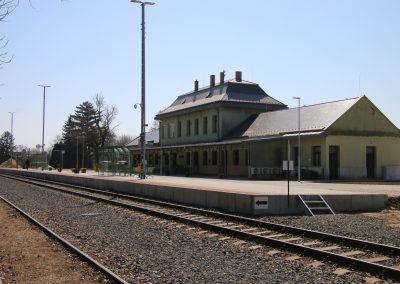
(143, 104)
(44, 105)
(298, 140)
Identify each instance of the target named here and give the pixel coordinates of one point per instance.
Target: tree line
(85, 131)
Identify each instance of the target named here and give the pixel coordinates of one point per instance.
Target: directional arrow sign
(261, 202)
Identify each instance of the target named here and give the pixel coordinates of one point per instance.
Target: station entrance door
(333, 162)
(371, 161)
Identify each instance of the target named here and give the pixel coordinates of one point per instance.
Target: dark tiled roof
(230, 91)
(313, 118)
(152, 137)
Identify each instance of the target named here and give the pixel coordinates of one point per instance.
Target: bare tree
(6, 7)
(122, 140)
(105, 116)
(4, 58)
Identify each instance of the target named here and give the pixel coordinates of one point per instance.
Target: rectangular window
(246, 156)
(172, 130)
(295, 156)
(316, 156)
(205, 162)
(214, 124)
(187, 158)
(162, 130)
(235, 157)
(169, 131)
(188, 126)
(196, 159)
(214, 158)
(196, 126)
(205, 125)
(179, 129)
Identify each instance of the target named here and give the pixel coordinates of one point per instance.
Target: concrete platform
(244, 197)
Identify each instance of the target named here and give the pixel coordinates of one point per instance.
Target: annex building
(233, 128)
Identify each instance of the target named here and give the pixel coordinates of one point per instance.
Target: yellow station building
(233, 128)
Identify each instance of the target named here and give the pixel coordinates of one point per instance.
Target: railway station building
(233, 128)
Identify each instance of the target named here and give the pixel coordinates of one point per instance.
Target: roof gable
(364, 117)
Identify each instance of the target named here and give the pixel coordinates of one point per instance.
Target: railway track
(375, 258)
(70, 247)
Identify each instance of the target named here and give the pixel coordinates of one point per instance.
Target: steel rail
(360, 264)
(388, 249)
(95, 264)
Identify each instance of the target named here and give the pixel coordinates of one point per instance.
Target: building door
(333, 162)
(174, 158)
(371, 161)
(195, 162)
(223, 163)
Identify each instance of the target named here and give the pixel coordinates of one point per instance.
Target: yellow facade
(361, 143)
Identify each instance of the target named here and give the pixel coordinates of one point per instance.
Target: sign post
(288, 165)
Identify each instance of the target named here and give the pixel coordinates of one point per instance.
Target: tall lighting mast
(44, 105)
(143, 101)
(12, 121)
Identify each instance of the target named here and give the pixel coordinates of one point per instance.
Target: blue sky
(318, 50)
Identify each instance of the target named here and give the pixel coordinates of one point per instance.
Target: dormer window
(184, 101)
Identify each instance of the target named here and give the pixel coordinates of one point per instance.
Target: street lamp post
(12, 121)
(298, 141)
(142, 104)
(44, 105)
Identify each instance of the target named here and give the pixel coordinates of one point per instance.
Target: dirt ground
(391, 215)
(27, 255)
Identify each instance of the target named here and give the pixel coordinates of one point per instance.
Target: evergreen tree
(69, 142)
(6, 146)
(89, 128)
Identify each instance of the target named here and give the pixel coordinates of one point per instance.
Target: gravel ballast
(145, 249)
(350, 225)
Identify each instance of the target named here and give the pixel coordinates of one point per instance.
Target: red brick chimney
(221, 77)
(238, 76)
(212, 80)
(196, 86)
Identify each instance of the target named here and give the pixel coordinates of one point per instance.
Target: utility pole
(12, 122)
(143, 101)
(44, 105)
